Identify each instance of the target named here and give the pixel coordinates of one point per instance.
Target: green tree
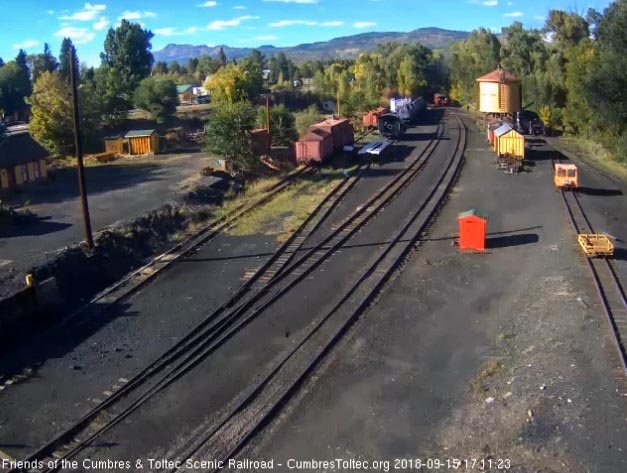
(221, 57)
(15, 86)
(127, 53)
(44, 62)
(67, 48)
(306, 118)
(112, 103)
(282, 124)
(568, 29)
(607, 79)
(161, 68)
(479, 54)
(51, 114)
(252, 65)
(207, 66)
(230, 85)
(228, 135)
(158, 96)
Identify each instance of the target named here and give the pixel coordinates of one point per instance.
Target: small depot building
(114, 144)
(142, 142)
(22, 160)
(185, 93)
(472, 230)
(510, 142)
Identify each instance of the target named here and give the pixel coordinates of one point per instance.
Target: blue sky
(31, 23)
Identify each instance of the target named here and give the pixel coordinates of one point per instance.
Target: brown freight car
(315, 147)
(341, 131)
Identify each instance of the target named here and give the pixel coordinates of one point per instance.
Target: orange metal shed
(472, 230)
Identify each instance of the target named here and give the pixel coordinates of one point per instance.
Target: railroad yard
(364, 335)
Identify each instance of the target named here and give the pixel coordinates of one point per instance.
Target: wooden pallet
(102, 157)
(594, 244)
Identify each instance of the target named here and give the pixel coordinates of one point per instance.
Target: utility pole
(268, 120)
(78, 142)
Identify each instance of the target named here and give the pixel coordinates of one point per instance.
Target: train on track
(402, 112)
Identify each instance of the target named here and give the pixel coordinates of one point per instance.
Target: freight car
(391, 125)
(323, 140)
(411, 110)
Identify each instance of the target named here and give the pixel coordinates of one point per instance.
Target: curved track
(279, 275)
(271, 392)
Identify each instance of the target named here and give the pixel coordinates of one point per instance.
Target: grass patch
(595, 154)
(488, 369)
(283, 214)
(246, 195)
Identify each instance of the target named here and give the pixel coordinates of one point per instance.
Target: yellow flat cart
(595, 245)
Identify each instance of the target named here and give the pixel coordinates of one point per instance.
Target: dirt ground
(119, 191)
(501, 357)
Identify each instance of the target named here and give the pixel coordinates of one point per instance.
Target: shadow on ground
(599, 192)
(34, 226)
(56, 342)
(63, 184)
(512, 240)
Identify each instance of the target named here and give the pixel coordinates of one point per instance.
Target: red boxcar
(315, 147)
(370, 118)
(340, 129)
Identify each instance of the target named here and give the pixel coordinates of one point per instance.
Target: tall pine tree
(67, 48)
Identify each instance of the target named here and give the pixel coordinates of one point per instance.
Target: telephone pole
(78, 142)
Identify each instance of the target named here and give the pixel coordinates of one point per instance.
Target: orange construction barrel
(472, 230)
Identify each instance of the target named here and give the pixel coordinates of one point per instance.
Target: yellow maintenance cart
(595, 244)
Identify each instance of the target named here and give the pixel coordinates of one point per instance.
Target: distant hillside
(342, 48)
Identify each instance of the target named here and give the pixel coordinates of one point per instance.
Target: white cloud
(175, 31)
(364, 24)
(101, 24)
(207, 4)
(239, 7)
(136, 15)
(332, 23)
(26, 44)
(50, 12)
(283, 23)
(490, 3)
(221, 24)
(77, 35)
(515, 14)
(269, 37)
(88, 13)
(293, 1)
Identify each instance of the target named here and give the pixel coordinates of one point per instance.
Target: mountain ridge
(344, 47)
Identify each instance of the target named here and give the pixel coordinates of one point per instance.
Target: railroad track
(222, 324)
(282, 256)
(155, 267)
(267, 397)
(605, 277)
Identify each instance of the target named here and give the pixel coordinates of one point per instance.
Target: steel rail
(335, 195)
(603, 275)
(197, 335)
(235, 426)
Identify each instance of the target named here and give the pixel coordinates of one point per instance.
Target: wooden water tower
(499, 93)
